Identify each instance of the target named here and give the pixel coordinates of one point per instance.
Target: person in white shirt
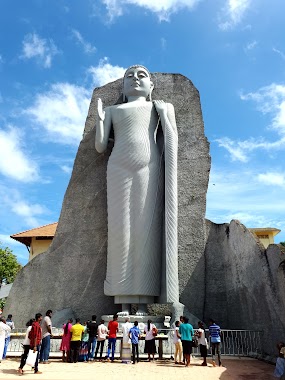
(126, 349)
(26, 345)
(9, 323)
(3, 329)
(46, 335)
(150, 331)
(202, 342)
(102, 332)
(178, 344)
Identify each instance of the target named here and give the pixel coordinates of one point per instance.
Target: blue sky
(53, 53)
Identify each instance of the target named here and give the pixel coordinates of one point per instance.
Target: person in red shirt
(113, 328)
(35, 337)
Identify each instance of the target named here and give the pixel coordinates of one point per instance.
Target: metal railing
(233, 343)
(241, 342)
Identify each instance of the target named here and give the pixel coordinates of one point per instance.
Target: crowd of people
(185, 339)
(85, 342)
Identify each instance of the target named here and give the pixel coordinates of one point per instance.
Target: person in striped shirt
(215, 333)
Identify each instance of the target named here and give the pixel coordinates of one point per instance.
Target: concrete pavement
(234, 369)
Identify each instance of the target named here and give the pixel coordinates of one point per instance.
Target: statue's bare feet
(141, 313)
(126, 309)
(124, 313)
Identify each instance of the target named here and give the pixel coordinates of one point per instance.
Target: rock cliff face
(245, 284)
(69, 277)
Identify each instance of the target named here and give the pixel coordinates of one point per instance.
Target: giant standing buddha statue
(142, 260)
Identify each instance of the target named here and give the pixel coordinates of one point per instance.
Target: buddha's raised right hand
(101, 113)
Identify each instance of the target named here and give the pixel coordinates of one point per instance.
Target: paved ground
(243, 369)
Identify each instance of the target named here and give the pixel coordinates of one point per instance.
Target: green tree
(9, 266)
(282, 243)
(2, 303)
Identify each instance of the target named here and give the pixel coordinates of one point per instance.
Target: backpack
(154, 331)
(195, 341)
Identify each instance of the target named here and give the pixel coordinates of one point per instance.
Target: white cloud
(268, 100)
(239, 194)
(255, 220)
(282, 55)
(61, 112)
(163, 8)
(105, 72)
(272, 178)
(66, 169)
(233, 13)
(13, 202)
(236, 152)
(14, 163)
(250, 45)
(240, 150)
(88, 48)
(28, 211)
(39, 48)
(271, 99)
(5, 239)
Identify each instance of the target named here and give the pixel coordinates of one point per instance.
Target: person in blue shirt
(215, 334)
(134, 334)
(186, 332)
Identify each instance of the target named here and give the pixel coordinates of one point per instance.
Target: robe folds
(142, 207)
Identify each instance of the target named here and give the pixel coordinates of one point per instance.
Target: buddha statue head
(137, 83)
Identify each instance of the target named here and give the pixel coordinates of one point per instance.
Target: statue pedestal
(142, 320)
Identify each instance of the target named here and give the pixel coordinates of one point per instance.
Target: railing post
(121, 348)
(160, 349)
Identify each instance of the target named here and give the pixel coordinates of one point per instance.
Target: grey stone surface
(71, 273)
(244, 287)
(59, 316)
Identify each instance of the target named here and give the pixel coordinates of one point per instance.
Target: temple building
(265, 235)
(37, 240)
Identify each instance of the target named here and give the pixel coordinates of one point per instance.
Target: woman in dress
(26, 345)
(150, 333)
(141, 184)
(65, 341)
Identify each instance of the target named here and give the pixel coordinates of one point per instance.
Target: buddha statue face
(137, 82)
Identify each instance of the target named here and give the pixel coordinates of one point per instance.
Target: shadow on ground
(247, 370)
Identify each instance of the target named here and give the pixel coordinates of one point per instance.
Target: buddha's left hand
(160, 106)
